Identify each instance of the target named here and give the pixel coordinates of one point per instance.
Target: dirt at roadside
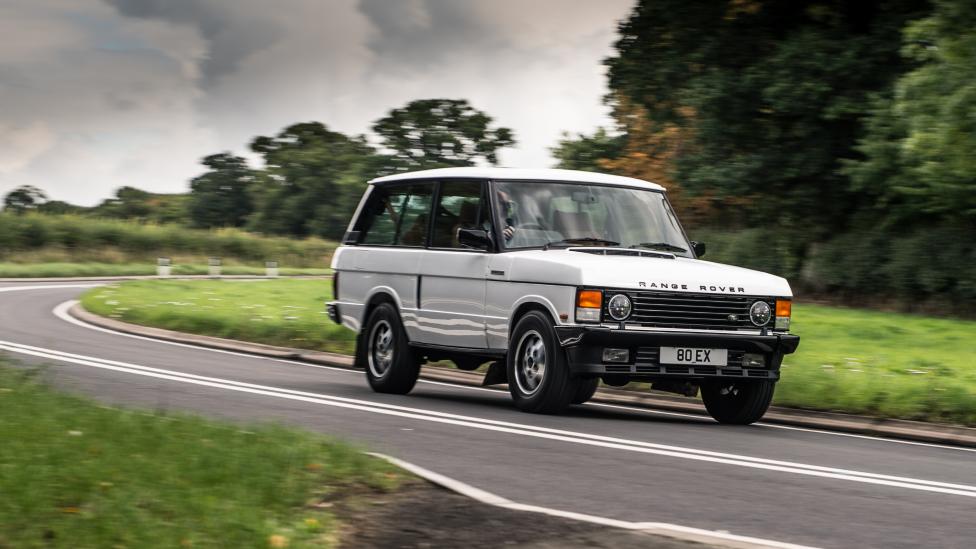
(421, 515)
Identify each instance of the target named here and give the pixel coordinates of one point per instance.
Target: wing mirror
(474, 238)
(699, 248)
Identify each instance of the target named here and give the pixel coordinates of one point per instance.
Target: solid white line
(506, 427)
(671, 530)
(61, 312)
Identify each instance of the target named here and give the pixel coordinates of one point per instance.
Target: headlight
(760, 313)
(619, 307)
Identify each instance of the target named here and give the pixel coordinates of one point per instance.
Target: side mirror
(474, 238)
(699, 248)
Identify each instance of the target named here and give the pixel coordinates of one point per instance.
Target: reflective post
(271, 269)
(163, 267)
(214, 267)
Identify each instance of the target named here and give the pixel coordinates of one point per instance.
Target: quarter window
(397, 215)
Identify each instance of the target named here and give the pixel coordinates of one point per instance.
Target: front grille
(689, 310)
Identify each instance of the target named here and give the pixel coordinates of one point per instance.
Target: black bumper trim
(333, 311)
(584, 346)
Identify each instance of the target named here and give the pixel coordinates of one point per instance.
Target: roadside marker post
(214, 267)
(271, 269)
(163, 267)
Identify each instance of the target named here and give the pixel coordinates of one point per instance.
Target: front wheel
(585, 389)
(737, 402)
(538, 375)
(391, 365)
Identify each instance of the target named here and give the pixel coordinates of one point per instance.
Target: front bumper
(584, 348)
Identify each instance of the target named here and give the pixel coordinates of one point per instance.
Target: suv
(559, 279)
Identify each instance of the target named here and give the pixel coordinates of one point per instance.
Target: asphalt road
(772, 482)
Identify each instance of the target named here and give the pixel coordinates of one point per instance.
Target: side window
(396, 215)
(460, 206)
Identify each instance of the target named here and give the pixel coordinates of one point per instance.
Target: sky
(97, 94)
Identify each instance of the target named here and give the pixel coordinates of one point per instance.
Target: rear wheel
(585, 389)
(391, 365)
(538, 375)
(737, 402)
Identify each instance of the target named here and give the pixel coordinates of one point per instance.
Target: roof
(571, 176)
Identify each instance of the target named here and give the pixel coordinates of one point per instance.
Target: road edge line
(676, 531)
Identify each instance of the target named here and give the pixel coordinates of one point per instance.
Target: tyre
(585, 389)
(538, 375)
(391, 365)
(737, 402)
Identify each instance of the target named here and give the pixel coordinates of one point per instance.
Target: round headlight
(619, 307)
(760, 313)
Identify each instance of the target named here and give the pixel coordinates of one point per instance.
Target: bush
(79, 238)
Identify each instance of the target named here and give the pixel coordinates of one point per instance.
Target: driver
(508, 215)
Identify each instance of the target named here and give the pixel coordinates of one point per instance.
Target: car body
(526, 269)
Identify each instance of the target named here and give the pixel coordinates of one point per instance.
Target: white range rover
(560, 279)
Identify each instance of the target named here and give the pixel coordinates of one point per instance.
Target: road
(773, 482)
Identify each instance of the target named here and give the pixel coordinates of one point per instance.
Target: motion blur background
(826, 141)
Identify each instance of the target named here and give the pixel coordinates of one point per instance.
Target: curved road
(777, 483)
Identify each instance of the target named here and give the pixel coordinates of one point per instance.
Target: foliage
(24, 198)
(222, 196)
(433, 133)
(85, 239)
(771, 93)
(80, 474)
(139, 205)
(584, 152)
(314, 180)
(918, 151)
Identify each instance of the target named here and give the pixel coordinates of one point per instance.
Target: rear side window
(460, 206)
(397, 215)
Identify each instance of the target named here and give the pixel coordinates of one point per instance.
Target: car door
(452, 283)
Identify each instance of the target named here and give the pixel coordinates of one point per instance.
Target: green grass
(64, 269)
(278, 312)
(884, 364)
(77, 474)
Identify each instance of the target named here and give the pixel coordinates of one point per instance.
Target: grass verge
(77, 474)
(849, 360)
(290, 313)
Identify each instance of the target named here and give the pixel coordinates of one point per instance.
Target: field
(77, 474)
(63, 245)
(850, 360)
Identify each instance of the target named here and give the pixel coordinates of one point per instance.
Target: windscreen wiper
(666, 246)
(581, 240)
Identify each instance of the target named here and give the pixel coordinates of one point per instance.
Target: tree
(312, 181)
(221, 197)
(772, 94)
(24, 198)
(431, 133)
(584, 152)
(918, 151)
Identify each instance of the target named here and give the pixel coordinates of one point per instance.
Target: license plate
(688, 355)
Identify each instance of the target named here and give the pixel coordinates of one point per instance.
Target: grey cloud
(232, 31)
(422, 33)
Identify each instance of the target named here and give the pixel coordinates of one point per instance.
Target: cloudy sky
(96, 94)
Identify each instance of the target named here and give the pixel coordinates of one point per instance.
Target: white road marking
(61, 311)
(720, 537)
(504, 427)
